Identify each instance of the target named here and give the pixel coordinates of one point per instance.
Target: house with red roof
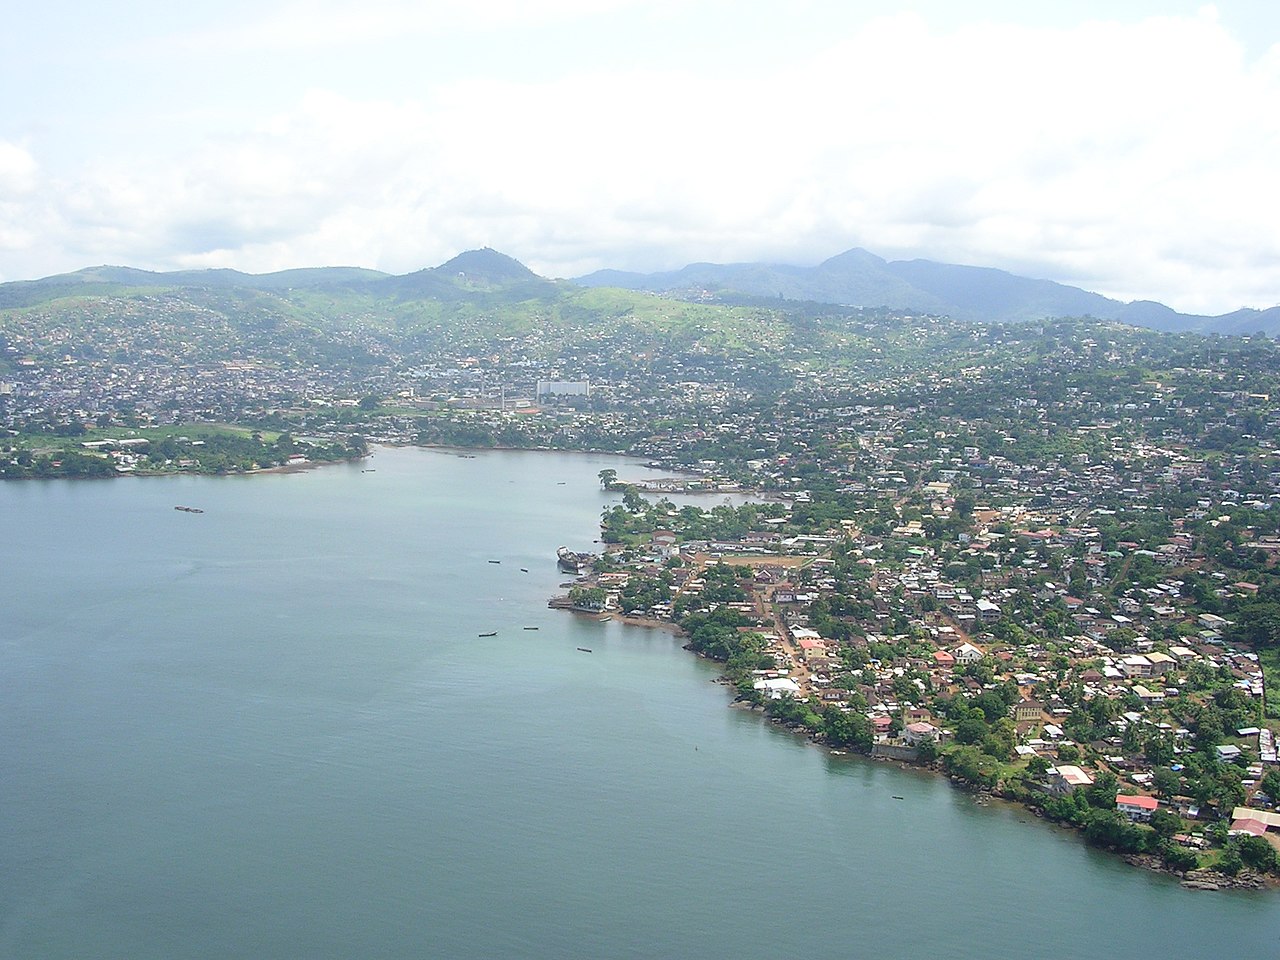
(1135, 807)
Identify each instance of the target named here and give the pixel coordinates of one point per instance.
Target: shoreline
(153, 475)
(1203, 878)
(373, 445)
(447, 447)
(288, 467)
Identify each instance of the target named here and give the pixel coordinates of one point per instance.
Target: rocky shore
(1203, 879)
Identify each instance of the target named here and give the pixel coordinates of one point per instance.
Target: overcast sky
(1134, 153)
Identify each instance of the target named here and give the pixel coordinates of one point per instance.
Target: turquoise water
(271, 730)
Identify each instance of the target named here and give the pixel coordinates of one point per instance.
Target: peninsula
(956, 639)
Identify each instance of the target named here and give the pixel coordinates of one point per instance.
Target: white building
(563, 388)
(776, 689)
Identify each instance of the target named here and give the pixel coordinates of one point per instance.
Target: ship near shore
(571, 562)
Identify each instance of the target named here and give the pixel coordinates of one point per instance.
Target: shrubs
(1112, 829)
(1177, 857)
(1255, 852)
(971, 765)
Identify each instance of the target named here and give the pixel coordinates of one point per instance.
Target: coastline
(302, 467)
(1203, 878)
(151, 475)
(559, 451)
(313, 464)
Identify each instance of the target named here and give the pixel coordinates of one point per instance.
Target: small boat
(531, 628)
(189, 509)
(524, 569)
(491, 634)
(584, 650)
(896, 797)
(370, 470)
(495, 561)
(561, 483)
(605, 618)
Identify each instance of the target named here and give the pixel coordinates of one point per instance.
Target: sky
(1134, 151)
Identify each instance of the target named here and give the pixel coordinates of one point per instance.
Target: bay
(273, 730)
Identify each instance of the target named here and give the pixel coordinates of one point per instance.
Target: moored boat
(572, 562)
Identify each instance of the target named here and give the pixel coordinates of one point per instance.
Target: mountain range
(860, 278)
(853, 278)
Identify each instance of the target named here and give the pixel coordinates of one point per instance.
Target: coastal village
(1038, 653)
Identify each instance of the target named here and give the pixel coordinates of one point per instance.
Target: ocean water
(273, 730)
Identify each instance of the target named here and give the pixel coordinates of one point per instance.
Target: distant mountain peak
(855, 257)
(487, 264)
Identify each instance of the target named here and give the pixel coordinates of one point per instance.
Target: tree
(1258, 624)
(1001, 740)
(1165, 822)
(848, 730)
(1112, 829)
(1159, 750)
(587, 598)
(608, 478)
(992, 705)
(1166, 782)
(1270, 785)
(971, 729)
(1102, 792)
(1231, 862)
(369, 402)
(971, 765)
(1256, 853)
(1178, 857)
(1209, 729)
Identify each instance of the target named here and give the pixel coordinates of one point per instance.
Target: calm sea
(271, 730)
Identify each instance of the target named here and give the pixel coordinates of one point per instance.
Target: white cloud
(1130, 158)
(18, 177)
(327, 25)
(17, 169)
